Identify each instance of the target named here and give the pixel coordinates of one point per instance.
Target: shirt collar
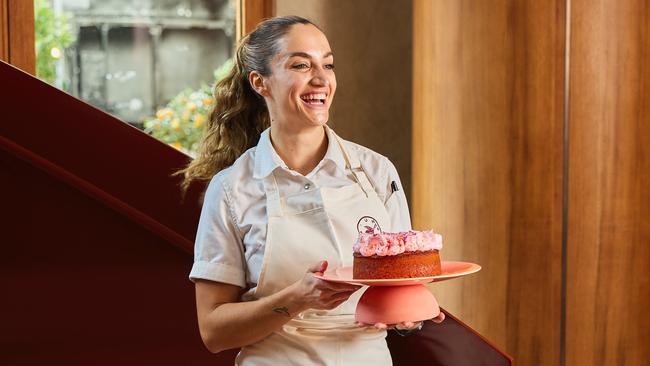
(334, 152)
(267, 159)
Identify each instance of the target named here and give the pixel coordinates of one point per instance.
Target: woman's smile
(314, 100)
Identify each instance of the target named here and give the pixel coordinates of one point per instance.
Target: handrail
(117, 164)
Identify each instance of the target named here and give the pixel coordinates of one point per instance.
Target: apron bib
(303, 229)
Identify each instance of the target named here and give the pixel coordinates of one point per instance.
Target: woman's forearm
(234, 325)
(226, 324)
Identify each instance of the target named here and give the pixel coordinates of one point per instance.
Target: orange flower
(199, 120)
(176, 145)
(176, 124)
(208, 101)
(191, 106)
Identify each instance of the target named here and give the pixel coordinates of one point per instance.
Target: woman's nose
(319, 78)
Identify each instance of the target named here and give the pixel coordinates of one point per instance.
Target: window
(148, 63)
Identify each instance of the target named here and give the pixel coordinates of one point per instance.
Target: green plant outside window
(182, 121)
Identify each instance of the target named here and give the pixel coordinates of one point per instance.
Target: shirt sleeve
(395, 202)
(218, 249)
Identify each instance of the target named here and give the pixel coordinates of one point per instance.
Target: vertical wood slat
(608, 288)
(17, 34)
(251, 12)
(4, 31)
(487, 162)
(536, 174)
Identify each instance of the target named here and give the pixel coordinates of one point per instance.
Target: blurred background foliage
(53, 35)
(182, 121)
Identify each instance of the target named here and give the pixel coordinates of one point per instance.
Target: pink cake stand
(392, 301)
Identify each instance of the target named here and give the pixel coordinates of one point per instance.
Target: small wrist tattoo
(282, 310)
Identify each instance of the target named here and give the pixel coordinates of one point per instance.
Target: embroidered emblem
(368, 224)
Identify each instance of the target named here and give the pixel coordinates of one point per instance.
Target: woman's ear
(258, 83)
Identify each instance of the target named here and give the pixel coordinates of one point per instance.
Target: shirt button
(307, 186)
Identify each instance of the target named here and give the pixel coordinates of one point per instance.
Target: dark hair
(240, 114)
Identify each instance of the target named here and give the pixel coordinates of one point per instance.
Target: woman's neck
(301, 149)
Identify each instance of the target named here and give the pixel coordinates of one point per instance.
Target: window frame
(17, 28)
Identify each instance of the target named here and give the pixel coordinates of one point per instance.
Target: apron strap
(273, 201)
(354, 165)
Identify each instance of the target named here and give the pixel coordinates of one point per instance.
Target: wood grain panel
(4, 31)
(608, 289)
(537, 132)
(251, 12)
(487, 162)
(20, 38)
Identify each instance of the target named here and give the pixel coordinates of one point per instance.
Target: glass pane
(149, 63)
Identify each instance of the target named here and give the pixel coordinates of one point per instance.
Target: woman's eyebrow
(306, 55)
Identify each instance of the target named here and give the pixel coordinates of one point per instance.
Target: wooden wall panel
(17, 34)
(535, 248)
(487, 162)
(4, 31)
(251, 12)
(608, 288)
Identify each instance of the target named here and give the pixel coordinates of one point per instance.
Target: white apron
(303, 229)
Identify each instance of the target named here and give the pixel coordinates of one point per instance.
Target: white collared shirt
(230, 238)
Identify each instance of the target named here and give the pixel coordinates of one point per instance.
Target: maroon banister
(115, 163)
(95, 192)
(450, 343)
(92, 224)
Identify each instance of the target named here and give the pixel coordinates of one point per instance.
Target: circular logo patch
(368, 224)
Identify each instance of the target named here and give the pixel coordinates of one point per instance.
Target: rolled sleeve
(218, 248)
(395, 202)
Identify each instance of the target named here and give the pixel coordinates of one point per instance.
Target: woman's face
(302, 83)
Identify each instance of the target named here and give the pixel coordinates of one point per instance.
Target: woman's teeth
(314, 98)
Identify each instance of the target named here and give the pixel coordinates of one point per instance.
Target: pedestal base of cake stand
(396, 304)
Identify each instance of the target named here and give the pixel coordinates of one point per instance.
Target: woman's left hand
(406, 325)
(416, 325)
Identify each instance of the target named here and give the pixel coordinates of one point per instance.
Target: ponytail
(240, 114)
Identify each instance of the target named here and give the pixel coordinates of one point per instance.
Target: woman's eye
(300, 66)
(329, 66)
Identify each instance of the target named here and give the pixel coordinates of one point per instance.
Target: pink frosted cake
(397, 255)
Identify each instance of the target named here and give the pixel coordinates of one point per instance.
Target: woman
(284, 205)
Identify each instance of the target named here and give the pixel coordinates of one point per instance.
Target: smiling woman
(284, 198)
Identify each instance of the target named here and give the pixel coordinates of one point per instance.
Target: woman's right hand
(314, 293)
